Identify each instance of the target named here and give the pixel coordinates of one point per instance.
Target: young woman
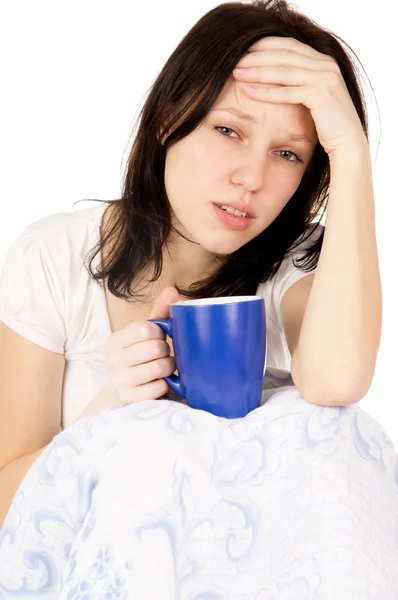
(222, 194)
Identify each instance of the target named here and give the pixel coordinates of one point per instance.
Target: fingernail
(239, 70)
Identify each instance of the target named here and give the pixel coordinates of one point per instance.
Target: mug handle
(173, 381)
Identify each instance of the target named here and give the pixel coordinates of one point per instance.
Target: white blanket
(157, 501)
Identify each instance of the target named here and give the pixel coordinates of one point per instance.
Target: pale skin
(301, 91)
(226, 158)
(332, 320)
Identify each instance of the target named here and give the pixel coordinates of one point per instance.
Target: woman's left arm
(339, 323)
(335, 357)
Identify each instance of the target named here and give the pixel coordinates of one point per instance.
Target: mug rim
(217, 300)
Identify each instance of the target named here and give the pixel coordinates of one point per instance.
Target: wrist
(355, 152)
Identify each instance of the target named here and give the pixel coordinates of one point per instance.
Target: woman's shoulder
(42, 282)
(72, 223)
(64, 238)
(288, 273)
(57, 244)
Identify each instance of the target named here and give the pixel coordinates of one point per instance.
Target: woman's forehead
(291, 116)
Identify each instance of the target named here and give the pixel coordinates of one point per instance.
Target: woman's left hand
(303, 75)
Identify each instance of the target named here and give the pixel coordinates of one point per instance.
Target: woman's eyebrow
(295, 137)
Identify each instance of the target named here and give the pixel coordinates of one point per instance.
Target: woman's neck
(184, 263)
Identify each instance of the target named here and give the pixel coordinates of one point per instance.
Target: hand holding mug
(137, 357)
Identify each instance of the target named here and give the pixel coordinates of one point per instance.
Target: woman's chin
(221, 247)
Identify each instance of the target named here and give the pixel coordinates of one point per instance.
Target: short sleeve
(31, 297)
(287, 274)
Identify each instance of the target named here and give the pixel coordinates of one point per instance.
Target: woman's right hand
(137, 357)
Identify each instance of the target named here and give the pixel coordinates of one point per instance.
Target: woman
(221, 194)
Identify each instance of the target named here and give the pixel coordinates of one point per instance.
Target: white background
(74, 76)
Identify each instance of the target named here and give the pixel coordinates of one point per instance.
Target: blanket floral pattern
(157, 500)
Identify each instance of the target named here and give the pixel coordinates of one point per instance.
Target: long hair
(179, 100)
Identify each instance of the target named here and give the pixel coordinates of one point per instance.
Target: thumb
(161, 308)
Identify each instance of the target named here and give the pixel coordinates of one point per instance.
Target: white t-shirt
(48, 297)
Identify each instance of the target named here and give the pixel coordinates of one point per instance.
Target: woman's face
(229, 159)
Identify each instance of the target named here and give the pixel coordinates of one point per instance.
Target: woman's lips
(231, 220)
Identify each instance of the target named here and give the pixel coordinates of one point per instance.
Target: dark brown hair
(179, 100)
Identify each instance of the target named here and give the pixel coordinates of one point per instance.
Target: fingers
(136, 354)
(137, 357)
(274, 58)
(287, 43)
(148, 391)
(129, 378)
(280, 75)
(133, 334)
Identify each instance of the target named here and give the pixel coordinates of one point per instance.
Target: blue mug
(220, 351)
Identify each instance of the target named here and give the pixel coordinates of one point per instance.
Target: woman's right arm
(137, 359)
(30, 407)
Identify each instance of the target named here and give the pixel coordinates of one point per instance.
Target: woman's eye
(225, 129)
(291, 156)
(296, 157)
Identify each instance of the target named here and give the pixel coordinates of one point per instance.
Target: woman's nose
(250, 174)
